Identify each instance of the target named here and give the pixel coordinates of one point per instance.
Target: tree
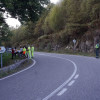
(1, 19)
(57, 18)
(27, 10)
(5, 34)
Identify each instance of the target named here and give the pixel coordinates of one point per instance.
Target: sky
(54, 1)
(15, 23)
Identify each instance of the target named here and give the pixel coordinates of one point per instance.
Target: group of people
(27, 52)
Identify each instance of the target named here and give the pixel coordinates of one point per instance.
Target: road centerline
(76, 76)
(71, 83)
(66, 82)
(62, 92)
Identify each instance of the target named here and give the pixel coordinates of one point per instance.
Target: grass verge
(19, 68)
(7, 59)
(71, 52)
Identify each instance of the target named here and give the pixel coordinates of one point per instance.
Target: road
(55, 77)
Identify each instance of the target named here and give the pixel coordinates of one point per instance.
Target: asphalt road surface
(55, 77)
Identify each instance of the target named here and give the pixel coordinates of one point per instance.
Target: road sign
(74, 41)
(2, 49)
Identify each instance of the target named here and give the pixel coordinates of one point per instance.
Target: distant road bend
(55, 77)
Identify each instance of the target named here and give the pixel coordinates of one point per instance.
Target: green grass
(20, 67)
(7, 59)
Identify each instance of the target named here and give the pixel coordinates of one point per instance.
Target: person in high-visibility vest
(97, 50)
(24, 51)
(32, 51)
(29, 52)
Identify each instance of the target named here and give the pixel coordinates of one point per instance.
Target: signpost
(2, 50)
(74, 41)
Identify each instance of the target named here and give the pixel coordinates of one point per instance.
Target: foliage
(5, 34)
(56, 18)
(27, 10)
(1, 19)
(61, 22)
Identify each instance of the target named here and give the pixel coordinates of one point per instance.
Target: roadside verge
(18, 68)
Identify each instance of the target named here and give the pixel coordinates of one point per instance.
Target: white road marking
(62, 92)
(19, 71)
(66, 82)
(71, 83)
(76, 76)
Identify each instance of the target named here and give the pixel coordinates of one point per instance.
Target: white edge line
(65, 83)
(71, 83)
(62, 92)
(19, 71)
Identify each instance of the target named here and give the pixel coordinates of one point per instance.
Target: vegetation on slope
(59, 24)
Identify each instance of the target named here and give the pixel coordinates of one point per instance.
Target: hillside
(60, 24)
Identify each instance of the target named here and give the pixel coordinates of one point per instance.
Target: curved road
(55, 77)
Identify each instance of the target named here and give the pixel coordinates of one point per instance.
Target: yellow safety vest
(97, 46)
(24, 49)
(32, 49)
(29, 49)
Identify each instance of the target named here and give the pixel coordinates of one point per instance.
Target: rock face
(87, 42)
